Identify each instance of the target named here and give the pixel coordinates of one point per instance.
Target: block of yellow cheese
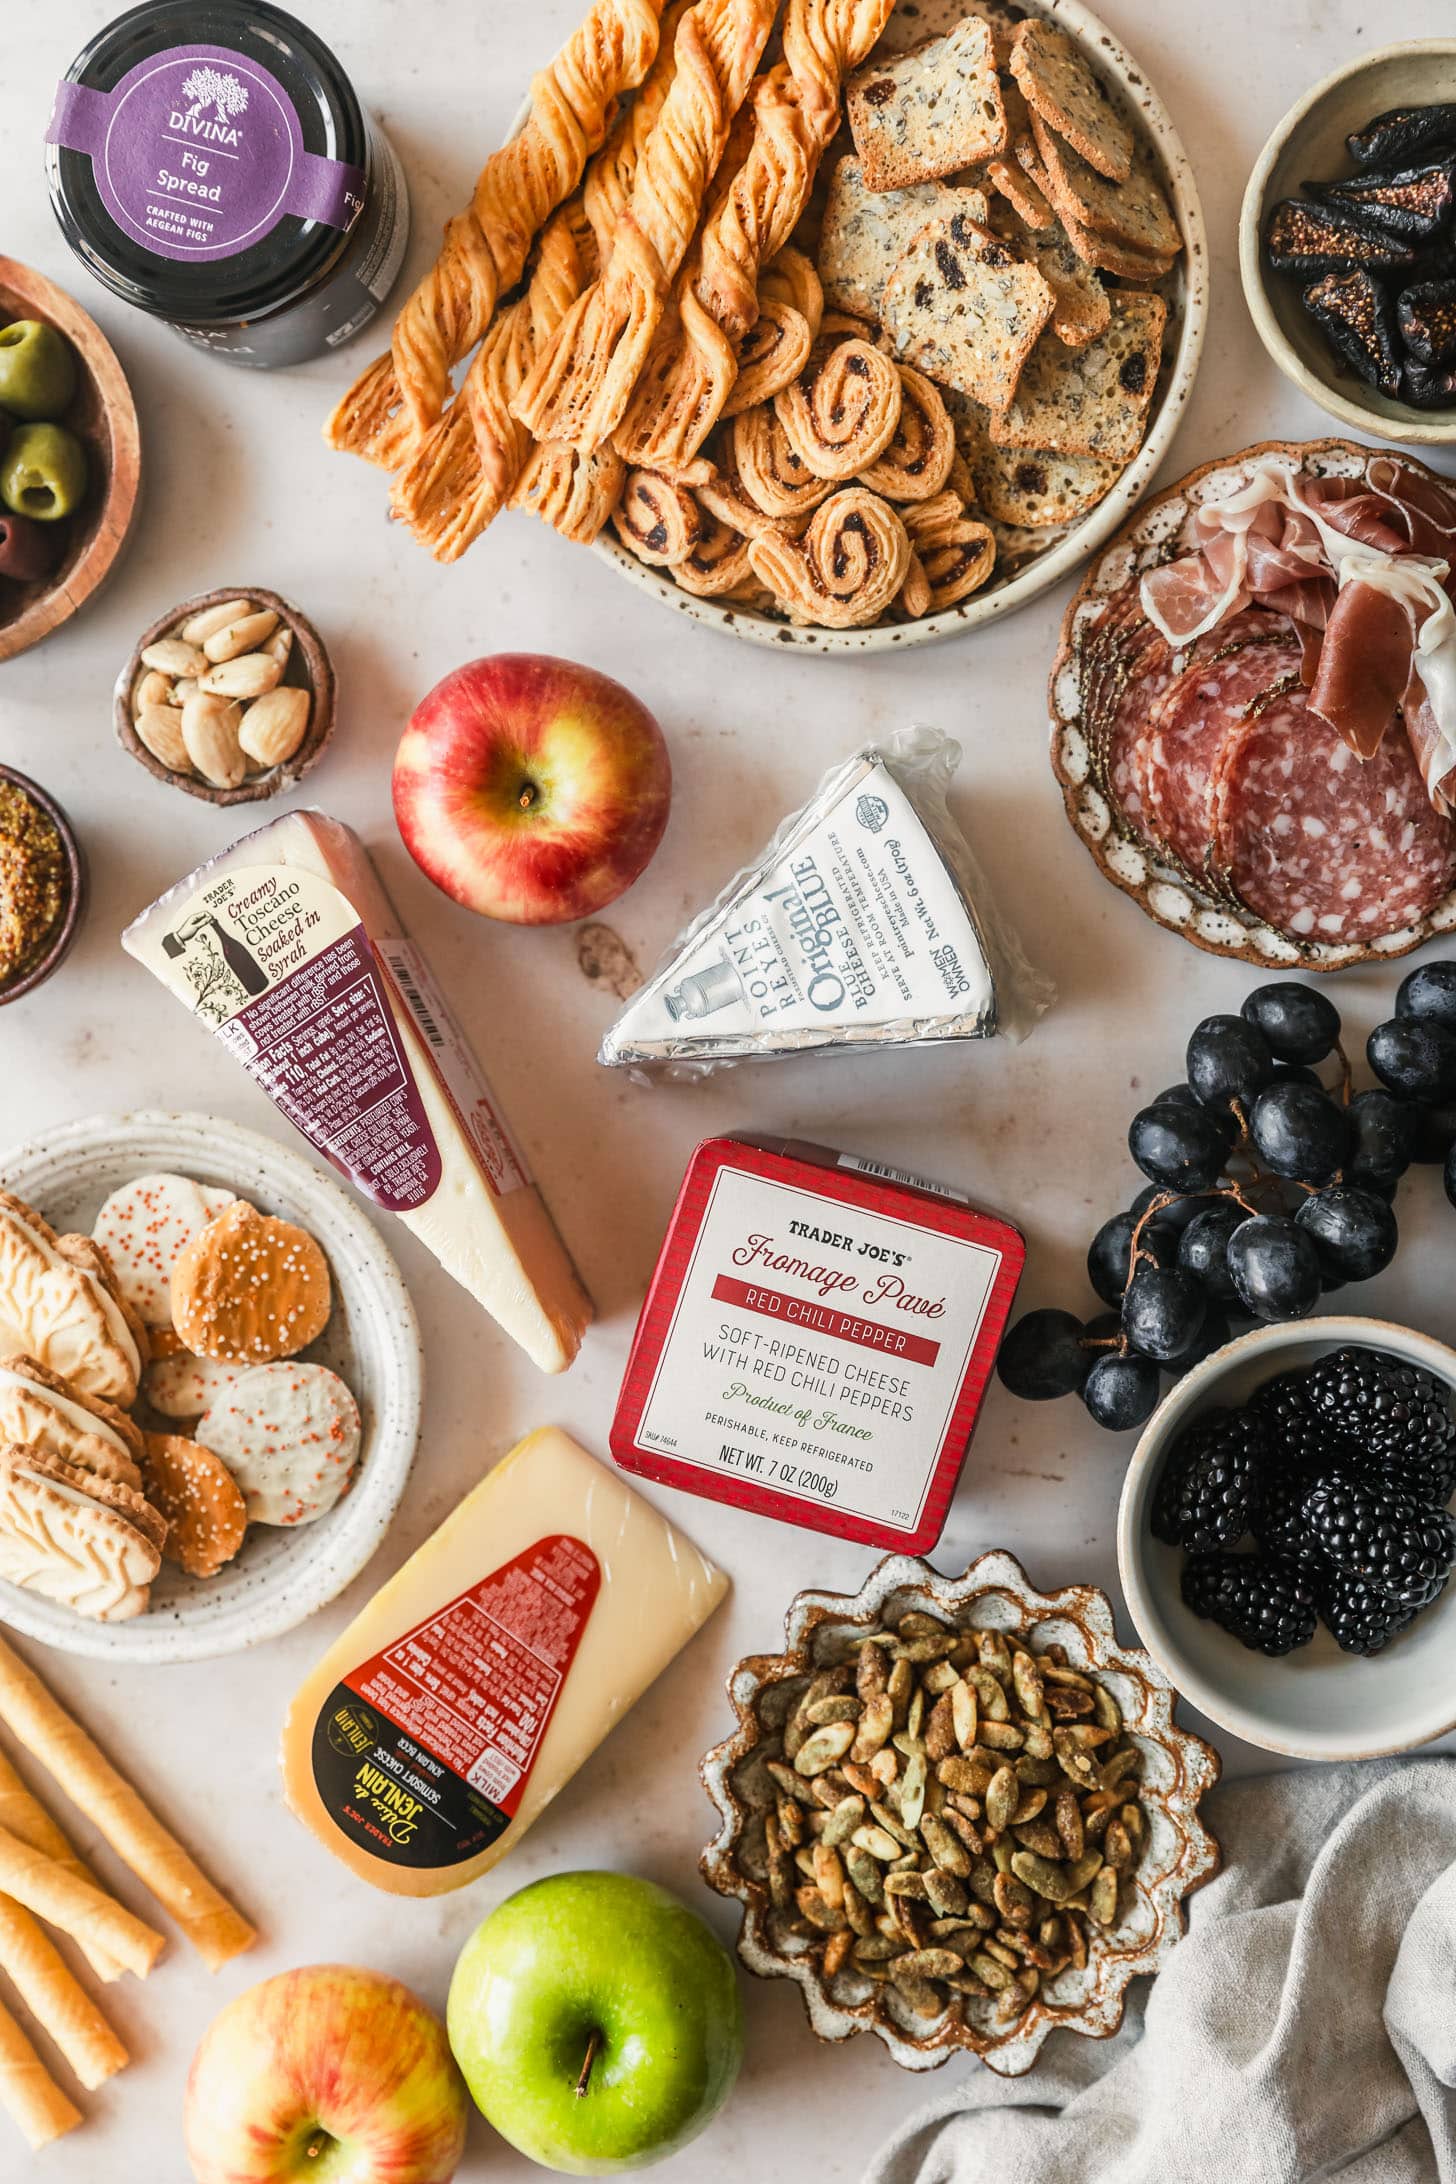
(289, 949)
(485, 1672)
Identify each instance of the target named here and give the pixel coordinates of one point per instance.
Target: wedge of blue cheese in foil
(865, 922)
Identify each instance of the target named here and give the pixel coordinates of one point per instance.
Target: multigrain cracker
(927, 113)
(965, 309)
(1080, 308)
(1091, 401)
(201, 1501)
(866, 232)
(1133, 213)
(1058, 84)
(249, 1288)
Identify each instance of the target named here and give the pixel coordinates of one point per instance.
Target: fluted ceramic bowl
(995, 1593)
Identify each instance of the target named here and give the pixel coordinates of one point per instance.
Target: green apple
(597, 2021)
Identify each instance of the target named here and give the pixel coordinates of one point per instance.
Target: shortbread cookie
(290, 1435)
(927, 113)
(63, 1312)
(249, 1288)
(1058, 84)
(184, 1386)
(143, 1226)
(1080, 309)
(1134, 213)
(965, 309)
(1091, 401)
(201, 1501)
(66, 1543)
(866, 231)
(40, 1410)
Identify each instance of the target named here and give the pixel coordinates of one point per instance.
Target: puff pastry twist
(778, 344)
(579, 389)
(485, 247)
(955, 550)
(847, 568)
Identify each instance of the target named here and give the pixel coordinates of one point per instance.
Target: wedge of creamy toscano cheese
(474, 1684)
(288, 949)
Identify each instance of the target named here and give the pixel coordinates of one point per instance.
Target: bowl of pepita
(957, 1812)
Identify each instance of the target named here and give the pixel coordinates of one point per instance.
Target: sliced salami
(1323, 845)
(1199, 712)
(1126, 665)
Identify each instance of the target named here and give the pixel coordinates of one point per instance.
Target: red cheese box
(816, 1341)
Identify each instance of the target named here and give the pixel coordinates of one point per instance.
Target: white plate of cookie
(210, 1387)
(870, 345)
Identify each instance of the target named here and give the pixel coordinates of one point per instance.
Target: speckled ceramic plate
(1185, 290)
(1158, 531)
(372, 1341)
(993, 1594)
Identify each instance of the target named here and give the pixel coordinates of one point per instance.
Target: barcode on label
(900, 1175)
(416, 999)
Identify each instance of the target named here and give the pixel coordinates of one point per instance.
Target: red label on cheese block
(816, 1341)
(422, 1753)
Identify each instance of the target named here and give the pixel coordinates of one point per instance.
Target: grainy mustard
(33, 882)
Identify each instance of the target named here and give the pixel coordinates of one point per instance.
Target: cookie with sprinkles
(250, 1288)
(290, 1436)
(203, 1504)
(143, 1226)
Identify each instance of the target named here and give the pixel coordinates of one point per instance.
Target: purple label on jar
(198, 153)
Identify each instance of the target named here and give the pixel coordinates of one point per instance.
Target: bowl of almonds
(957, 1812)
(229, 696)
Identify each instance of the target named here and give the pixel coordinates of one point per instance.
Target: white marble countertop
(240, 490)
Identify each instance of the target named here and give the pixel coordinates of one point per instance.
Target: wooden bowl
(309, 668)
(102, 416)
(70, 919)
(1309, 144)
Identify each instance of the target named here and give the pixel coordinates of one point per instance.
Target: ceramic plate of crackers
(865, 325)
(210, 1386)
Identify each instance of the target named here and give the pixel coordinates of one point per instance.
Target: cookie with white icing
(143, 1226)
(290, 1436)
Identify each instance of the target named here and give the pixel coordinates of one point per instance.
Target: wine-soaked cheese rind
(142, 1227)
(290, 1436)
(590, 1593)
(404, 1109)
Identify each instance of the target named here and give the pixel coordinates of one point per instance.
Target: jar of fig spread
(210, 163)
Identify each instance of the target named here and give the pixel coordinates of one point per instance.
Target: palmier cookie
(289, 1434)
(200, 1499)
(143, 1226)
(250, 1288)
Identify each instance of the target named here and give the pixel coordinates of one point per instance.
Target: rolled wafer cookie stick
(24, 1815)
(55, 1895)
(216, 1930)
(28, 2090)
(56, 1999)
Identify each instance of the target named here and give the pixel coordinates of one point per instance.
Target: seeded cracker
(1091, 401)
(865, 232)
(1080, 309)
(965, 310)
(1133, 213)
(1057, 83)
(928, 113)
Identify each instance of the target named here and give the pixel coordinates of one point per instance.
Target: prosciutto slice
(1363, 568)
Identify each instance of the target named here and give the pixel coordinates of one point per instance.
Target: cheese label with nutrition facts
(815, 1342)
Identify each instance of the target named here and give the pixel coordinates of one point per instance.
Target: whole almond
(275, 725)
(171, 656)
(153, 688)
(248, 675)
(280, 644)
(243, 635)
(208, 620)
(210, 733)
(160, 729)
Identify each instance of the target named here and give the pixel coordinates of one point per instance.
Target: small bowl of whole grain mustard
(42, 884)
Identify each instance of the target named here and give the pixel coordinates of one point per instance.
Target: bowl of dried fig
(957, 1812)
(229, 696)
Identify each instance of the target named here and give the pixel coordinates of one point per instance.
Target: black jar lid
(254, 273)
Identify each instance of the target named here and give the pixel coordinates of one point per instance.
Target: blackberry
(1367, 1530)
(1359, 1617)
(1398, 1416)
(1210, 1484)
(1264, 1601)
(1300, 1439)
(1279, 1525)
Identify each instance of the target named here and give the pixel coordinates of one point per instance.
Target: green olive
(37, 369)
(43, 472)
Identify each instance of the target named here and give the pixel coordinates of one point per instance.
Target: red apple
(531, 789)
(330, 2073)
